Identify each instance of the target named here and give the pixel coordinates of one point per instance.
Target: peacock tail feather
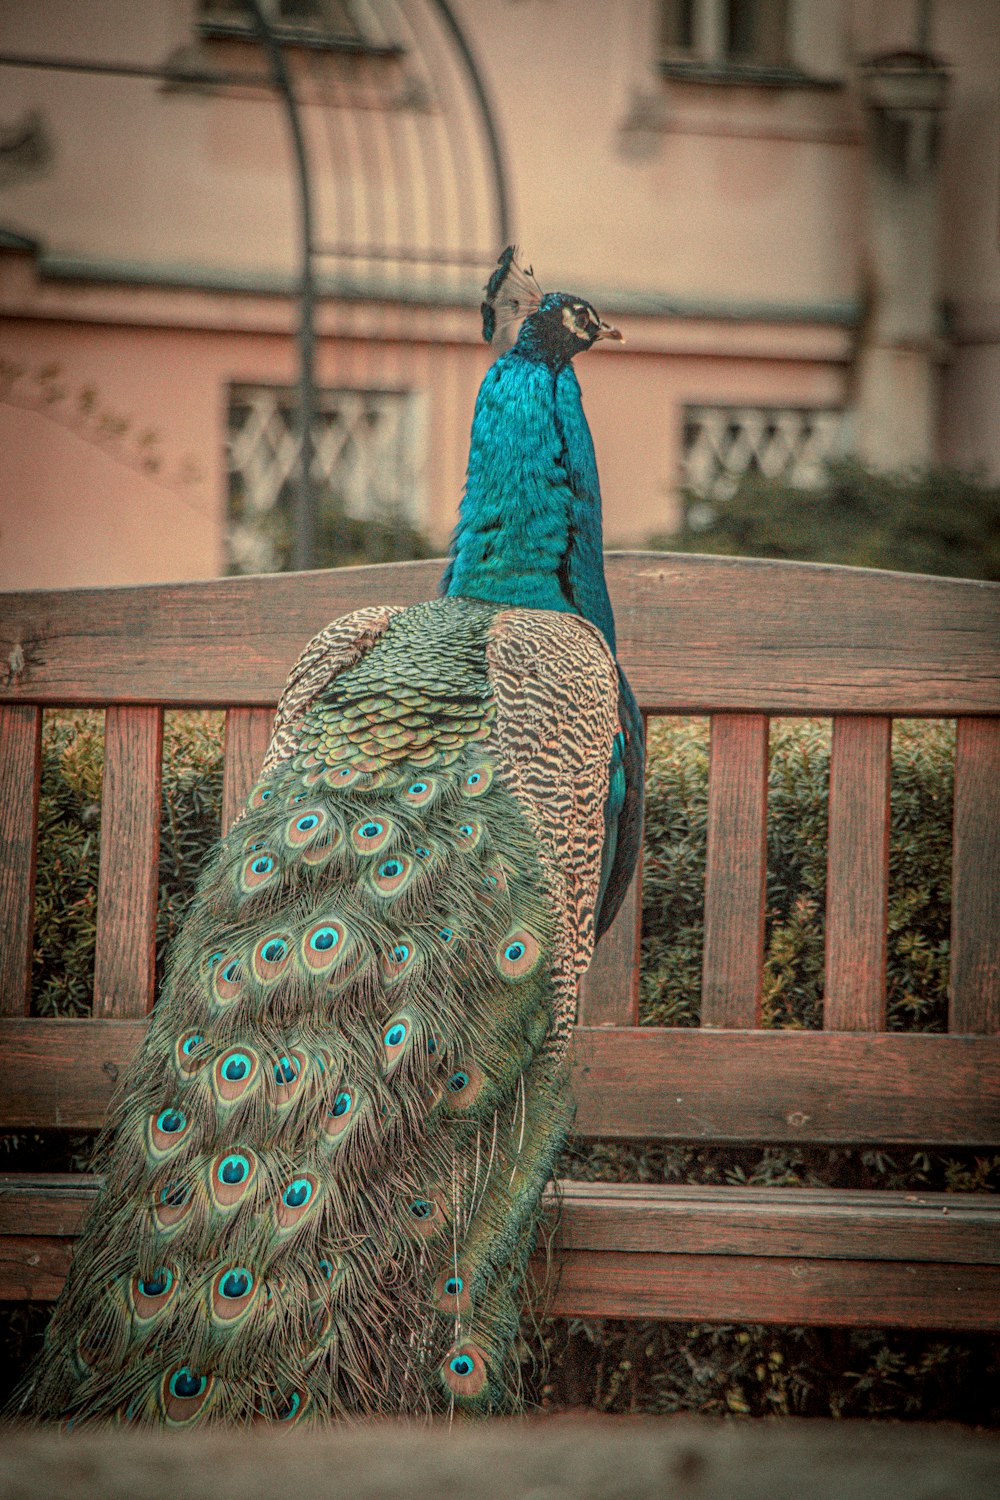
(324, 1170)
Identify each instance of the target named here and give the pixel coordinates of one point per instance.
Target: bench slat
(631, 1083)
(857, 881)
(750, 1289)
(975, 943)
(787, 1086)
(736, 871)
(20, 774)
(771, 1255)
(609, 991)
(682, 1288)
(248, 733)
(696, 635)
(689, 1219)
(128, 885)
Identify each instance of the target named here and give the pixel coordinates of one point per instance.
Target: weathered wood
(20, 770)
(975, 930)
(696, 634)
(735, 871)
(737, 638)
(688, 1219)
(50, 1204)
(786, 1086)
(630, 1082)
(33, 1267)
(684, 1288)
(125, 959)
(567, 1456)
(821, 1223)
(248, 732)
(857, 875)
(752, 1289)
(609, 991)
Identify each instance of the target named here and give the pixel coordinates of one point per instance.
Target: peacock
(323, 1172)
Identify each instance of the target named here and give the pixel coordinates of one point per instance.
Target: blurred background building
(791, 208)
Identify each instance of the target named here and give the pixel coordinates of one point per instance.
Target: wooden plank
(689, 1219)
(125, 960)
(62, 1073)
(248, 733)
(33, 1267)
(682, 1288)
(677, 1084)
(631, 1083)
(823, 1223)
(735, 871)
(51, 1204)
(609, 991)
(857, 877)
(975, 940)
(696, 635)
(20, 774)
(750, 1289)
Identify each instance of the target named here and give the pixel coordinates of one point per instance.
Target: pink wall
(77, 506)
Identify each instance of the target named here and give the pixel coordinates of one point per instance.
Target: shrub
(930, 521)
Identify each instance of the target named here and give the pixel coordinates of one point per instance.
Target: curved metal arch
(489, 124)
(413, 184)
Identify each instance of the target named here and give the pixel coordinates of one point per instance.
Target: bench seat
(738, 640)
(685, 1253)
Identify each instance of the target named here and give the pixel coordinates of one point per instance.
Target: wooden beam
(20, 773)
(975, 914)
(704, 1254)
(248, 734)
(677, 1084)
(735, 871)
(662, 1218)
(128, 886)
(696, 635)
(751, 1289)
(857, 879)
(631, 1083)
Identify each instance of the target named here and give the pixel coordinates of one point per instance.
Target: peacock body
(323, 1173)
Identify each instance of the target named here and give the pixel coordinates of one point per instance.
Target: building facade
(790, 207)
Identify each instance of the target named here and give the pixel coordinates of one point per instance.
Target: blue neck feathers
(529, 528)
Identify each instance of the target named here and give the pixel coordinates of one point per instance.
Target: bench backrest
(737, 639)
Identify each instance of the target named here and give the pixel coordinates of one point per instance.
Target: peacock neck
(529, 530)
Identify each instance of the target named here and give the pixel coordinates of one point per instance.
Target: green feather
(344, 1092)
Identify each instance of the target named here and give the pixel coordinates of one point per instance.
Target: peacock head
(562, 326)
(550, 327)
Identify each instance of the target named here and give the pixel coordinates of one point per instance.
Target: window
(724, 37)
(324, 23)
(367, 470)
(723, 444)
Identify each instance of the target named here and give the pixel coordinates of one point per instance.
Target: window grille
(305, 21)
(368, 455)
(724, 34)
(724, 444)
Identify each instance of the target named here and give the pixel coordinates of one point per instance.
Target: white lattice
(722, 444)
(367, 463)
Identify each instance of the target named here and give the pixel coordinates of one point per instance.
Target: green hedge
(619, 1367)
(919, 873)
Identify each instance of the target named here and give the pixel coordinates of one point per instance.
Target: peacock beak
(605, 331)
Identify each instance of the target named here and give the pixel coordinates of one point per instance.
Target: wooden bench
(739, 640)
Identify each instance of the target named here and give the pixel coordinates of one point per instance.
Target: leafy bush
(930, 521)
(646, 1366)
(69, 817)
(919, 873)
